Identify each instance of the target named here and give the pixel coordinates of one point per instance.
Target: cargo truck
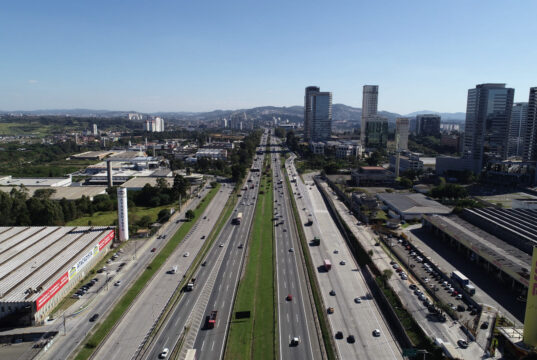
(190, 284)
(211, 319)
(327, 265)
(238, 219)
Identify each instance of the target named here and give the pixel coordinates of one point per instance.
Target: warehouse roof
(36, 257)
(67, 192)
(410, 203)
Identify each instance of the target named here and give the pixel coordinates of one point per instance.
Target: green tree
(189, 215)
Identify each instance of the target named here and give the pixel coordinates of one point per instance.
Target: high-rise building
(154, 125)
(370, 97)
(517, 129)
(376, 132)
(530, 141)
(317, 114)
(488, 112)
(428, 125)
(122, 214)
(402, 127)
(95, 131)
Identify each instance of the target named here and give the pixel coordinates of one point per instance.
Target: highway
(77, 326)
(345, 279)
(446, 331)
(295, 317)
(216, 284)
(124, 340)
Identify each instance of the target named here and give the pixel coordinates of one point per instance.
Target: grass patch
(107, 218)
(253, 338)
(123, 304)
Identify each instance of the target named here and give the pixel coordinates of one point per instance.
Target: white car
(376, 332)
(186, 254)
(164, 353)
(357, 300)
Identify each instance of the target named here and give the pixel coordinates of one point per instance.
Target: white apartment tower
(369, 107)
(95, 131)
(402, 126)
(122, 214)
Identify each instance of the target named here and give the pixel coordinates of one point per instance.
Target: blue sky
(196, 55)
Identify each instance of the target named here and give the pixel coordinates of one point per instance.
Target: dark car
(351, 339)
(204, 263)
(485, 325)
(339, 335)
(94, 317)
(332, 293)
(153, 249)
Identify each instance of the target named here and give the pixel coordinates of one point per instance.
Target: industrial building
(66, 192)
(39, 265)
(411, 206)
(478, 237)
(372, 176)
(48, 182)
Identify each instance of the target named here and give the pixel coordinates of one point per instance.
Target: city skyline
(167, 57)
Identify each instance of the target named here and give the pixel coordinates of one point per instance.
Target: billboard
(68, 275)
(530, 320)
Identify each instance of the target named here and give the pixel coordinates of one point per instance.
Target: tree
(163, 215)
(189, 215)
(180, 187)
(44, 193)
(405, 182)
(162, 184)
(386, 275)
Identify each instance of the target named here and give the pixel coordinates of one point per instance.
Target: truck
(173, 270)
(470, 289)
(327, 264)
(237, 220)
(190, 284)
(316, 241)
(211, 319)
(460, 278)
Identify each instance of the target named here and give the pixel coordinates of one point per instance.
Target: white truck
(173, 270)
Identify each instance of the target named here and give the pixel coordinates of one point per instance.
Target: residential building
(345, 151)
(402, 126)
(407, 161)
(317, 114)
(530, 142)
(317, 148)
(369, 107)
(451, 140)
(95, 131)
(376, 132)
(488, 112)
(372, 176)
(428, 125)
(237, 121)
(155, 124)
(517, 129)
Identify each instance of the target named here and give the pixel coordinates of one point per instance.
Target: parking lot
(439, 284)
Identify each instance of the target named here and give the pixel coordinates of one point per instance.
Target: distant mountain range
(340, 112)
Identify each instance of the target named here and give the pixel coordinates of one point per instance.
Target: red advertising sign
(106, 240)
(51, 291)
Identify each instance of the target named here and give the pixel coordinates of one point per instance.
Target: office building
(317, 114)
(530, 141)
(376, 132)
(517, 129)
(488, 112)
(95, 131)
(402, 126)
(428, 125)
(370, 97)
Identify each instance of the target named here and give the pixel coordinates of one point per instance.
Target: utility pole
(64, 331)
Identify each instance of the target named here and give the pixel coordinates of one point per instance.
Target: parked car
(485, 325)
(351, 339)
(462, 343)
(339, 335)
(376, 332)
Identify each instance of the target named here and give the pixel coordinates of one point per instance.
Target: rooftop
(413, 203)
(67, 192)
(36, 257)
(11, 181)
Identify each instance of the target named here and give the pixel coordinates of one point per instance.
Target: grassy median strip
(253, 338)
(104, 328)
(321, 312)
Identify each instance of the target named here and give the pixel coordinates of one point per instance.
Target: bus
(238, 219)
(460, 278)
(190, 354)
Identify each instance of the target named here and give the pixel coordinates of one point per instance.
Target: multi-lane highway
(124, 340)
(216, 284)
(295, 316)
(77, 326)
(355, 311)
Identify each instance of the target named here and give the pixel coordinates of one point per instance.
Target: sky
(199, 55)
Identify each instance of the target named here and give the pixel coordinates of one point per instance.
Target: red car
(289, 297)
(153, 249)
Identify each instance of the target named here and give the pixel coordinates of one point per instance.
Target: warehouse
(410, 206)
(39, 265)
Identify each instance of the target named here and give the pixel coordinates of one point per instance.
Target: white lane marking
(287, 317)
(212, 347)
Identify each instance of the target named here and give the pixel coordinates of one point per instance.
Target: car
(404, 277)
(203, 237)
(332, 293)
(399, 270)
(295, 341)
(289, 297)
(459, 297)
(330, 310)
(421, 297)
(221, 245)
(241, 245)
(204, 263)
(336, 251)
(291, 250)
(412, 286)
(376, 332)
(339, 335)
(357, 300)
(284, 230)
(163, 353)
(186, 254)
(205, 217)
(351, 339)
(462, 343)
(95, 279)
(460, 308)
(485, 325)
(117, 283)
(450, 290)
(342, 262)
(153, 249)
(94, 317)
(392, 262)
